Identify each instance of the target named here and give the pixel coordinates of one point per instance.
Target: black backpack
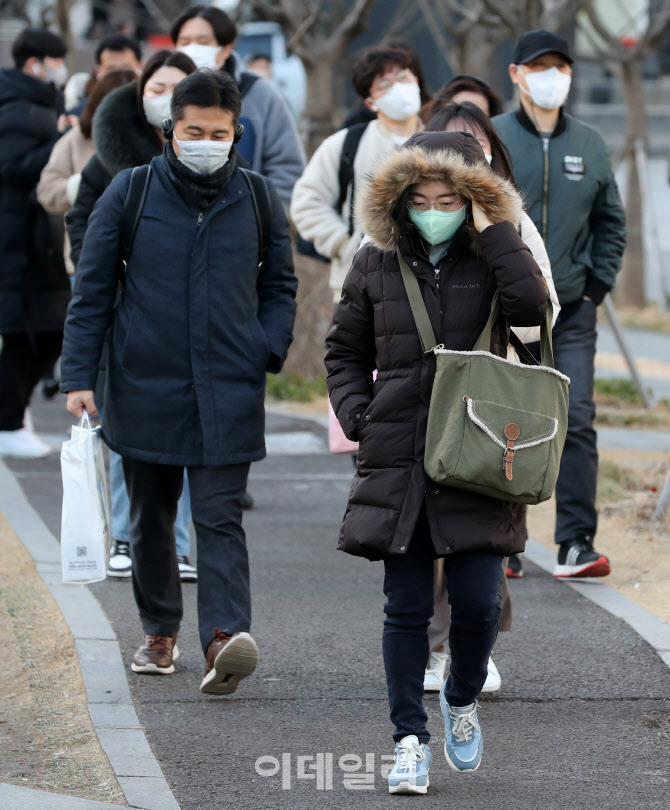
(136, 197)
(346, 179)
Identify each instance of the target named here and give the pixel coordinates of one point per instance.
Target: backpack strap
(346, 173)
(260, 197)
(130, 215)
(246, 82)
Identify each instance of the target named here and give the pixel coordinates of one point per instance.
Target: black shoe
(187, 572)
(247, 501)
(514, 567)
(577, 558)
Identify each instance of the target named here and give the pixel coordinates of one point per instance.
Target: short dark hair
(376, 61)
(206, 88)
(37, 42)
(225, 30)
(118, 43)
(469, 84)
(472, 116)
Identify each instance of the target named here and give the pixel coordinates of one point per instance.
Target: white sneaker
(22, 444)
(187, 572)
(492, 682)
(434, 675)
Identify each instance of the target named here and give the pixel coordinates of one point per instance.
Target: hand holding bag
(495, 426)
(85, 518)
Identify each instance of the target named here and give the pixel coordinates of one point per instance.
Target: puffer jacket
(374, 329)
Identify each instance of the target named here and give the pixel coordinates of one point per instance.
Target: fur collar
(121, 137)
(378, 199)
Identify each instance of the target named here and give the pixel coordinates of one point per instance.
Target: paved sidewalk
(583, 716)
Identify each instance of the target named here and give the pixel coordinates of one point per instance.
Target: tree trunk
(317, 120)
(631, 286)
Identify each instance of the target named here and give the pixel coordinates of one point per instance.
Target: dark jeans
(24, 360)
(574, 353)
(224, 599)
(474, 581)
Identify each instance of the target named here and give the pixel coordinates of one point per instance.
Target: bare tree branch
(272, 12)
(304, 27)
(354, 23)
(501, 9)
(433, 26)
(618, 50)
(657, 29)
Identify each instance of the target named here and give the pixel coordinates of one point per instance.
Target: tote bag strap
(546, 347)
(418, 305)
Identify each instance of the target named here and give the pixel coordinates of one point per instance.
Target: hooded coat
(122, 141)
(374, 329)
(34, 288)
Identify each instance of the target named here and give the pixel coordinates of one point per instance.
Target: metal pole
(628, 356)
(649, 230)
(662, 506)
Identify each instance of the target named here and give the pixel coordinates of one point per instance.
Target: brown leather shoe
(228, 660)
(156, 655)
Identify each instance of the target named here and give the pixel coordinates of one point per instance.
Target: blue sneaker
(410, 770)
(463, 738)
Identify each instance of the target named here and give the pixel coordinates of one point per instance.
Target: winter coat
(374, 329)
(59, 182)
(122, 141)
(271, 144)
(315, 197)
(577, 211)
(34, 288)
(197, 327)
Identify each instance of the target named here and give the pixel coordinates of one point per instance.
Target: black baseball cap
(535, 43)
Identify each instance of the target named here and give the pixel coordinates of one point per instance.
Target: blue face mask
(437, 226)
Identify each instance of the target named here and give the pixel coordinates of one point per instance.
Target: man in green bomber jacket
(562, 168)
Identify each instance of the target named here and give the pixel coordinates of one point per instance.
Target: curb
(110, 704)
(653, 629)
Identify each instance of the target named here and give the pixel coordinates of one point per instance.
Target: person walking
(467, 117)
(190, 347)
(127, 132)
(321, 209)
(563, 170)
(34, 287)
(270, 144)
(60, 178)
(438, 205)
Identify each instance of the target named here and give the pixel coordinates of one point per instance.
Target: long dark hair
(468, 117)
(114, 79)
(460, 84)
(164, 58)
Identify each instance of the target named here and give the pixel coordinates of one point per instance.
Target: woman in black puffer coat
(395, 512)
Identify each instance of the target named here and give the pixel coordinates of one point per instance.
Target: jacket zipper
(545, 198)
(200, 217)
(437, 277)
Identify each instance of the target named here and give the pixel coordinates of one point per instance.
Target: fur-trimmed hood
(121, 137)
(453, 157)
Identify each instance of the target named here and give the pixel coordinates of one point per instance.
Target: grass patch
(614, 482)
(633, 417)
(615, 391)
(294, 388)
(649, 318)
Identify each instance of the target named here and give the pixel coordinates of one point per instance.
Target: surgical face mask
(437, 226)
(548, 89)
(203, 56)
(58, 75)
(157, 109)
(204, 157)
(489, 158)
(401, 102)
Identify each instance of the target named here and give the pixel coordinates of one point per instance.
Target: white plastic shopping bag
(85, 519)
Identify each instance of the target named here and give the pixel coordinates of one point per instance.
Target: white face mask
(399, 103)
(489, 158)
(548, 88)
(204, 157)
(157, 109)
(58, 75)
(203, 56)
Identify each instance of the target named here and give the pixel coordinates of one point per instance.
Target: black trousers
(474, 580)
(224, 598)
(24, 360)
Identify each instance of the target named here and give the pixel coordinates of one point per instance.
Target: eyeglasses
(454, 205)
(403, 76)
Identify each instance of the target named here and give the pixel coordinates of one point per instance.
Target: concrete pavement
(583, 715)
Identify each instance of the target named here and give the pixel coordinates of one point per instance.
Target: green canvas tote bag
(495, 426)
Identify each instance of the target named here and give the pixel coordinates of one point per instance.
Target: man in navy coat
(199, 323)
